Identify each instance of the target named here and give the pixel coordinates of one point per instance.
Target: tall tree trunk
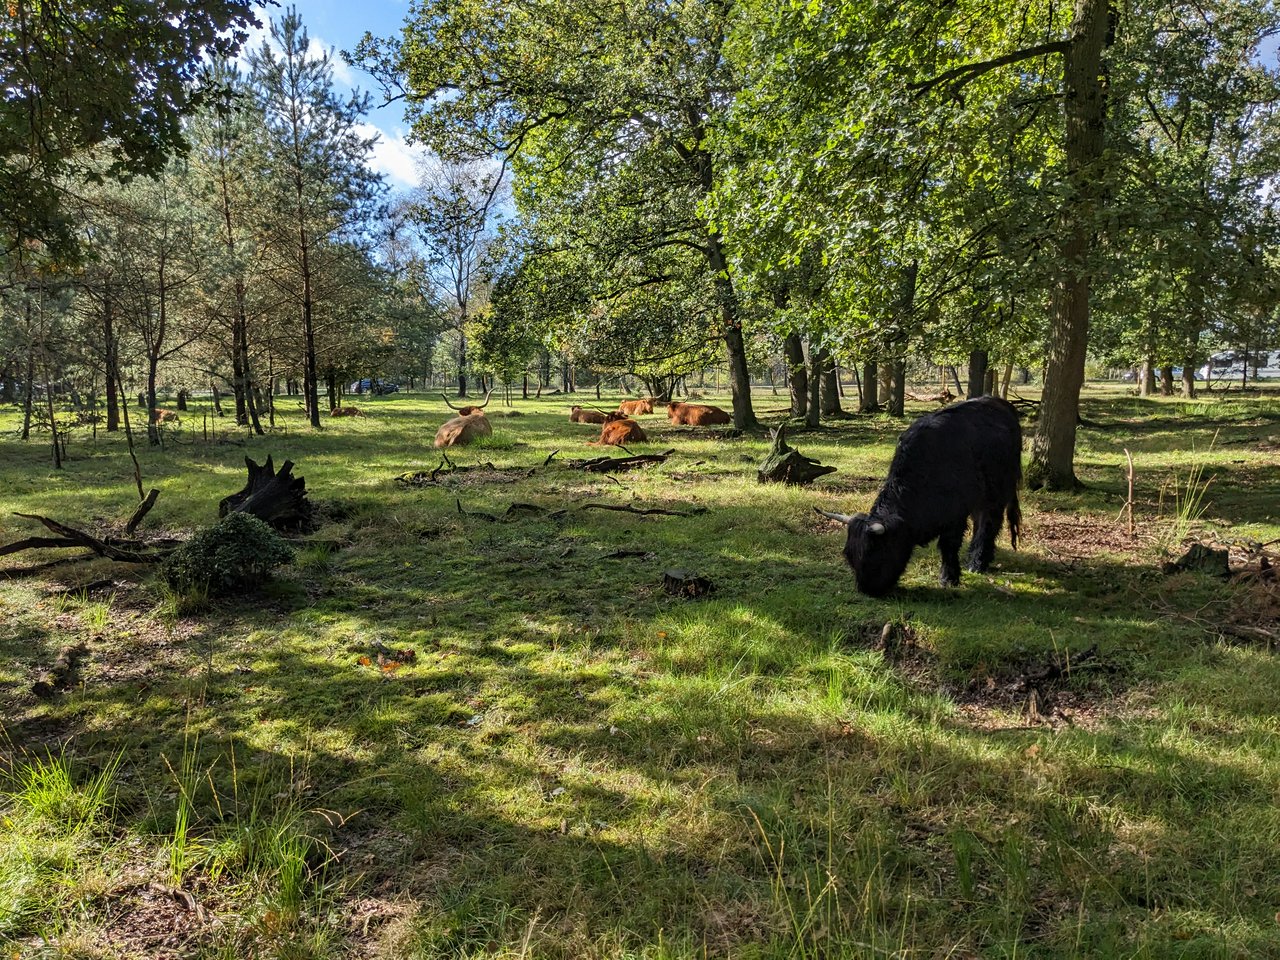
(744, 416)
(870, 388)
(29, 400)
(109, 347)
(978, 362)
(1146, 377)
(331, 382)
(525, 387)
(898, 388)
(830, 391)
(797, 376)
(817, 361)
(1084, 87)
(1166, 380)
(238, 386)
(217, 400)
(1189, 378)
(462, 363)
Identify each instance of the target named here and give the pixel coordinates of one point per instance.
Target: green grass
(575, 764)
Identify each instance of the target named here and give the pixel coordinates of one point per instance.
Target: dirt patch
(155, 921)
(1053, 689)
(1063, 536)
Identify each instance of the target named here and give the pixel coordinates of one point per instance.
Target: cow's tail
(1014, 515)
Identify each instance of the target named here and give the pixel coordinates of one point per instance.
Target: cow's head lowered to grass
(958, 464)
(470, 424)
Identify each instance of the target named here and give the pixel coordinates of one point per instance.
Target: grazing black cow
(962, 461)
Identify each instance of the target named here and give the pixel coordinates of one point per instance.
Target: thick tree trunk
(217, 400)
(1054, 444)
(797, 376)
(817, 360)
(978, 362)
(1008, 375)
(1146, 377)
(870, 388)
(525, 387)
(898, 388)
(182, 399)
(830, 389)
(153, 415)
(1189, 378)
(1166, 380)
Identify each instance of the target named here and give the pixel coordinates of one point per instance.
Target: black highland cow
(962, 461)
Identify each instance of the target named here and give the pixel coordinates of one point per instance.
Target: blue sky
(339, 25)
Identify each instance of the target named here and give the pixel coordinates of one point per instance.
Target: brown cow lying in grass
(581, 415)
(470, 424)
(696, 414)
(167, 416)
(345, 412)
(633, 408)
(616, 433)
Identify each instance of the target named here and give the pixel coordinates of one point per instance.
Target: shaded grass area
(575, 764)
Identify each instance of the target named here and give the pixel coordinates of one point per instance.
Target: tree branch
(967, 72)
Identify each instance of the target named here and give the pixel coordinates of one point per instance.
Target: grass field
(575, 764)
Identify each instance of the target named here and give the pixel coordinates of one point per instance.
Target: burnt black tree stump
(787, 465)
(278, 499)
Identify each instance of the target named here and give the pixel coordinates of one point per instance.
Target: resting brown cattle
(345, 412)
(633, 408)
(579, 415)
(696, 414)
(468, 425)
(619, 432)
(166, 416)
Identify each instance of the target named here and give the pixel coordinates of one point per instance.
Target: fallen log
(71, 537)
(642, 511)
(278, 499)
(619, 464)
(143, 509)
(785, 464)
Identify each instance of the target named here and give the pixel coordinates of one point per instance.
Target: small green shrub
(238, 551)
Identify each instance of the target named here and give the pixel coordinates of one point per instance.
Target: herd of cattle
(959, 464)
(618, 427)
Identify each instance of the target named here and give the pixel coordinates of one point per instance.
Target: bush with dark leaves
(236, 553)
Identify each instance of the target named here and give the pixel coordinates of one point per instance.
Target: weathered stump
(1202, 559)
(787, 465)
(278, 499)
(681, 583)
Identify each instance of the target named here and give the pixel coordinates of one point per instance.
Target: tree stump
(278, 499)
(787, 465)
(681, 583)
(1202, 559)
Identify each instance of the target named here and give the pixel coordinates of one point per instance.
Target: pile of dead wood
(278, 498)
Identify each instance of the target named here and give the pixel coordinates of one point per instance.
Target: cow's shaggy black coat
(962, 461)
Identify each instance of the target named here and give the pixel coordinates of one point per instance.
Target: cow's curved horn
(447, 403)
(844, 518)
(875, 527)
(481, 406)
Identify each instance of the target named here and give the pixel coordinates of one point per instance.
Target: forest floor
(439, 734)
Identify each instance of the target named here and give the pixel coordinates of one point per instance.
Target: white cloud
(394, 157)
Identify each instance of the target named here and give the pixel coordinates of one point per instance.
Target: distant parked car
(374, 386)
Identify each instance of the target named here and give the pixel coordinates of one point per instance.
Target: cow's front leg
(949, 549)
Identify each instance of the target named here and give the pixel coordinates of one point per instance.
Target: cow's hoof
(977, 566)
(949, 582)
